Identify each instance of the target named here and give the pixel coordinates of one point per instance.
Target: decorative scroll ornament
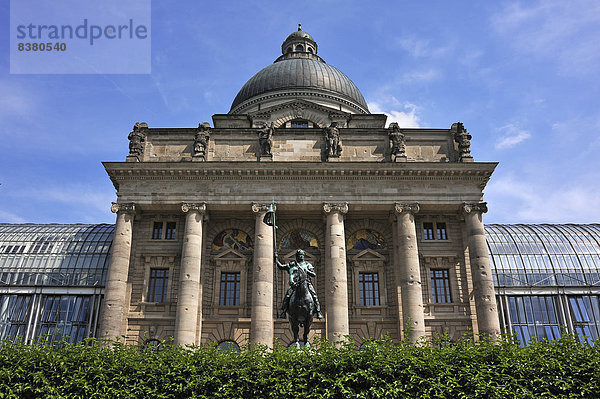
(137, 137)
(256, 207)
(199, 207)
(329, 207)
(412, 207)
(480, 207)
(397, 139)
(463, 138)
(201, 139)
(127, 207)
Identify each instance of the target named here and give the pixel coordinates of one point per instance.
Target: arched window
(228, 346)
(152, 344)
(299, 47)
(366, 238)
(310, 50)
(288, 50)
(299, 239)
(299, 124)
(232, 238)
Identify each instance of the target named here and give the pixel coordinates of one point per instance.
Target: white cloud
(421, 48)
(511, 136)
(82, 197)
(14, 101)
(533, 199)
(405, 118)
(565, 32)
(7, 217)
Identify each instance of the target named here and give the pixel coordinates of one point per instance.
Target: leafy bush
(379, 369)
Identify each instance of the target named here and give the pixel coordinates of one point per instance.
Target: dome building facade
(390, 218)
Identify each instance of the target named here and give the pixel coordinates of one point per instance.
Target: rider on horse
(309, 270)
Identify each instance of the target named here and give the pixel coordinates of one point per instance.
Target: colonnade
(189, 310)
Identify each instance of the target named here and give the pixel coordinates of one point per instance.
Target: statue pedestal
(399, 159)
(198, 158)
(132, 158)
(266, 158)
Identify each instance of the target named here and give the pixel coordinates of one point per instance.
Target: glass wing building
(52, 279)
(547, 278)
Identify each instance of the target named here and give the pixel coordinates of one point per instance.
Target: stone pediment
(320, 115)
(230, 254)
(290, 256)
(368, 254)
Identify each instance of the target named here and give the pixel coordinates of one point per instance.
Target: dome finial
(299, 27)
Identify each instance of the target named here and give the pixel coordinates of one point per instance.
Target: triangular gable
(368, 254)
(297, 105)
(230, 254)
(292, 256)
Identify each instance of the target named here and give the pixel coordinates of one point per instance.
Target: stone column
(409, 272)
(261, 324)
(481, 271)
(336, 276)
(115, 293)
(188, 320)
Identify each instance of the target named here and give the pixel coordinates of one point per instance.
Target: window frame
(375, 292)
(164, 232)
(447, 286)
(224, 290)
(151, 293)
(436, 226)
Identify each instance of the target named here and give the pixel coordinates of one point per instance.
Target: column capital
(341, 207)
(200, 207)
(412, 207)
(480, 207)
(125, 207)
(258, 207)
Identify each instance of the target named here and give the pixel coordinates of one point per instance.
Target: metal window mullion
(36, 311)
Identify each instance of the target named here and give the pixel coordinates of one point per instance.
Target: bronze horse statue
(301, 306)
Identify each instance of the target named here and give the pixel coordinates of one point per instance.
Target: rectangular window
(428, 231)
(170, 232)
(585, 311)
(533, 317)
(440, 285)
(157, 230)
(368, 286)
(157, 289)
(441, 231)
(230, 289)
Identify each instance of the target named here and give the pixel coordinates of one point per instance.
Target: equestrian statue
(300, 301)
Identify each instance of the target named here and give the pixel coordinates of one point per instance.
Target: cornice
(410, 171)
(298, 93)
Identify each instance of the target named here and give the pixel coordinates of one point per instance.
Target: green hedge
(561, 368)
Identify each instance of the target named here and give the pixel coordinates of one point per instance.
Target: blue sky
(522, 76)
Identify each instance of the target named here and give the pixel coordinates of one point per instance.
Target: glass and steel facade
(52, 279)
(547, 279)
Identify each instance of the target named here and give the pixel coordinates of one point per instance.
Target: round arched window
(366, 238)
(299, 239)
(229, 346)
(299, 47)
(232, 238)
